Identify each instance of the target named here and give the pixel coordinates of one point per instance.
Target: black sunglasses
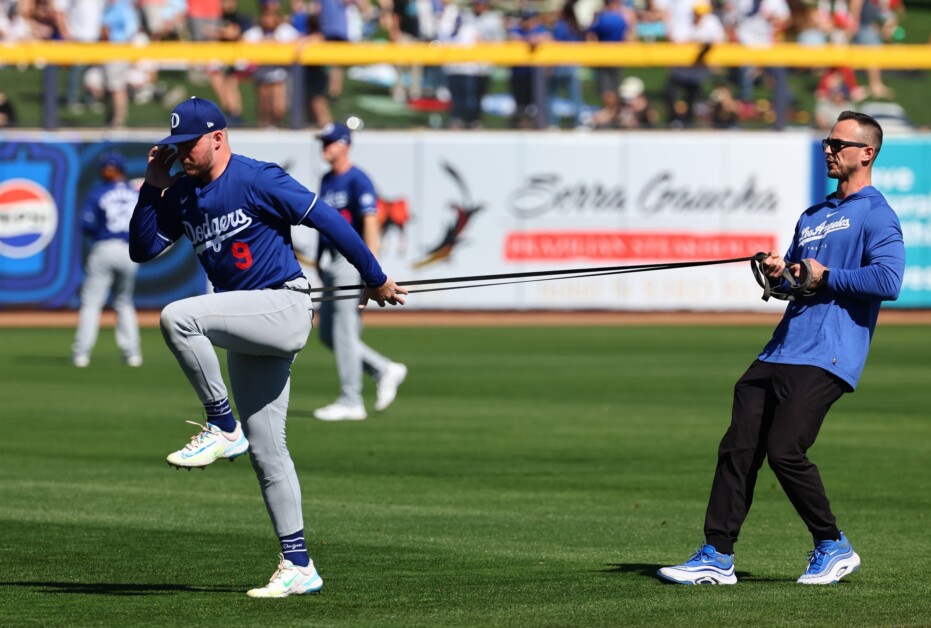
(839, 145)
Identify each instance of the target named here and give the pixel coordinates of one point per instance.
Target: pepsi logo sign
(28, 218)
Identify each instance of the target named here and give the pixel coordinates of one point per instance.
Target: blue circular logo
(28, 218)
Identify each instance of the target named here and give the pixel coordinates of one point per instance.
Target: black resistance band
(524, 277)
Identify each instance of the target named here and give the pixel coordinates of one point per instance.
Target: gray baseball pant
(341, 330)
(108, 266)
(262, 332)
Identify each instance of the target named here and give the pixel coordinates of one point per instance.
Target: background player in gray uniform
(105, 219)
(238, 214)
(349, 190)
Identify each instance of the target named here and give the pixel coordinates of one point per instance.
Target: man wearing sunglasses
(853, 244)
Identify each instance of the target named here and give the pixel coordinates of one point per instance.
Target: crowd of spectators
(693, 95)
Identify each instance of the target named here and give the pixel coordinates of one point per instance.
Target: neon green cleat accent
(208, 445)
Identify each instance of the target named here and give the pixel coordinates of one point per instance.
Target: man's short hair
(871, 130)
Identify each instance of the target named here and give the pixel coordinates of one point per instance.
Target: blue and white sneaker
(830, 561)
(208, 445)
(289, 579)
(706, 566)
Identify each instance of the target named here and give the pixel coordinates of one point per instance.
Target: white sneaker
(340, 412)
(387, 387)
(289, 579)
(208, 445)
(81, 361)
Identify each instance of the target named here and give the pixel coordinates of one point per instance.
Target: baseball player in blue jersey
(853, 244)
(238, 213)
(105, 220)
(349, 190)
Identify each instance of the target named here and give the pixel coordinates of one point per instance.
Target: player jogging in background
(349, 190)
(853, 244)
(238, 214)
(105, 219)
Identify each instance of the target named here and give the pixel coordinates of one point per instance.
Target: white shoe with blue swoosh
(209, 445)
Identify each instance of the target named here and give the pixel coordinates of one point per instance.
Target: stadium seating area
(465, 95)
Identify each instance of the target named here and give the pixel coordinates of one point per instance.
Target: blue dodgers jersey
(108, 209)
(609, 26)
(240, 224)
(859, 239)
(352, 194)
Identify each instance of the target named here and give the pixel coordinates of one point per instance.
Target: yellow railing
(900, 56)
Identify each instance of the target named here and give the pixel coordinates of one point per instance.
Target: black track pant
(778, 410)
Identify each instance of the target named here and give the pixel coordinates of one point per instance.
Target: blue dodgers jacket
(859, 239)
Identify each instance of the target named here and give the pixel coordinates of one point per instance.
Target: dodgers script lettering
(212, 232)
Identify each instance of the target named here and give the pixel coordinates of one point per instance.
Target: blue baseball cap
(113, 158)
(193, 118)
(335, 132)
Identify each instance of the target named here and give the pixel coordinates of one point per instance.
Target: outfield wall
(496, 202)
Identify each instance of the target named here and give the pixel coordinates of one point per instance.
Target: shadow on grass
(44, 360)
(113, 588)
(645, 570)
(638, 569)
(304, 414)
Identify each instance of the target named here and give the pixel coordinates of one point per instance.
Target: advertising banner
(902, 174)
(513, 202)
(43, 185)
(38, 249)
(463, 204)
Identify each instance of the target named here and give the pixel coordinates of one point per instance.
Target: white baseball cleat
(387, 387)
(289, 579)
(340, 412)
(208, 445)
(81, 361)
(134, 361)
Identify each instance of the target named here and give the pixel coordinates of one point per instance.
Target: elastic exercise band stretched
(541, 275)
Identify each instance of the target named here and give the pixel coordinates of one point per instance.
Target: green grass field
(524, 477)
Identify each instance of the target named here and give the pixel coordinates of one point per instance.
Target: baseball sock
(220, 414)
(293, 548)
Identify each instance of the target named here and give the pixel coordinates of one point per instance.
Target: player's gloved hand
(388, 292)
(158, 172)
